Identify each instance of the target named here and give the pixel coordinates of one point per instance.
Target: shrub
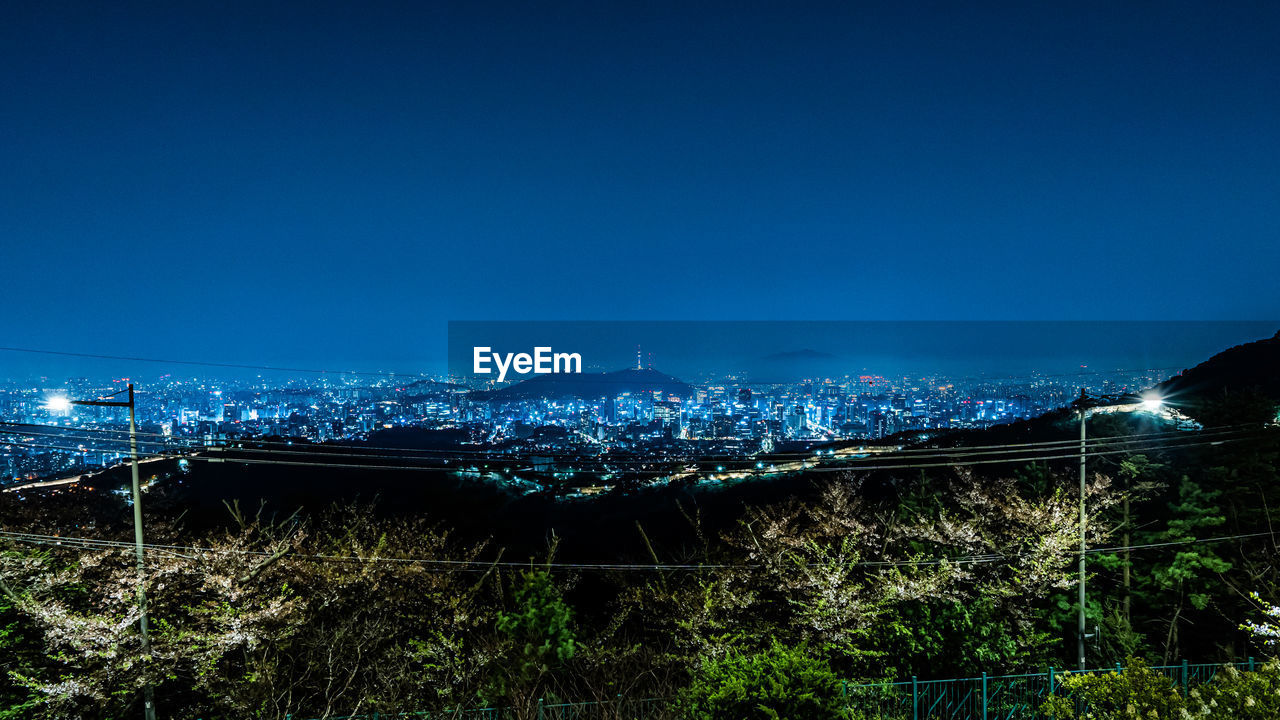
(1236, 695)
(1138, 692)
(779, 683)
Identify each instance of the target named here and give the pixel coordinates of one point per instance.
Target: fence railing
(987, 697)
(998, 697)
(619, 709)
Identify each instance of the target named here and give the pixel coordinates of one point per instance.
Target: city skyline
(667, 422)
(43, 437)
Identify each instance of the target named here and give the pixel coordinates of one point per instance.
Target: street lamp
(1151, 401)
(57, 404)
(148, 693)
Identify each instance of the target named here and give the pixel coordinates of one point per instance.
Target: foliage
(1137, 692)
(1141, 692)
(778, 683)
(538, 633)
(1235, 407)
(1268, 631)
(1237, 695)
(248, 627)
(947, 574)
(375, 631)
(20, 655)
(1186, 580)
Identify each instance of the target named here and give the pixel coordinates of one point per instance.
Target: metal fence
(619, 709)
(988, 697)
(1000, 697)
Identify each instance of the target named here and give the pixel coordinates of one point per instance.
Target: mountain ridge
(589, 385)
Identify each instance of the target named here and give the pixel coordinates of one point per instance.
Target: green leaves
(1143, 692)
(540, 623)
(538, 634)
(1137, 692)
(779, 683)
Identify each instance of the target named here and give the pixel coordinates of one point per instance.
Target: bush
(1236, 695)
(780, 683)
(1140, 692)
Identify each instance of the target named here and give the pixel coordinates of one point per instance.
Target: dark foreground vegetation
(949, 572)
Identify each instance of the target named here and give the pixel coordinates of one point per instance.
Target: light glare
(57, 404)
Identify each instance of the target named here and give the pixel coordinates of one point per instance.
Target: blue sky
(319, 183)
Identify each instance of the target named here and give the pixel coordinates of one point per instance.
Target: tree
(262, 620)
(778, 683)
(1141, 692)
(207, 608)
(1268, 630)
(385, 628)
(539, 638)
(1138, 483)
(1248, 406)
(22, 655)
(1186, 579)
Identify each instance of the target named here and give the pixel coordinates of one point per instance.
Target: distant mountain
(1251, 366)
(793, 365)
(428, 387)
(589, 385)
(800, 355)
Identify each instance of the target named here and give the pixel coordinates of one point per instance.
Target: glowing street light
(1152, 402)
(57, 404)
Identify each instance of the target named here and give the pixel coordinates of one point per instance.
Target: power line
(842, 468)
(745, 472)
(851, 462)
(335, 450)
(1172, 543)
(844, 464)
(1033, 459)
(173, 550)
(839, 465)
(78, 449)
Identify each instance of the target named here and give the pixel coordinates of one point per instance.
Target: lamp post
(1083, 405)
(148, 693)
(1150, 403)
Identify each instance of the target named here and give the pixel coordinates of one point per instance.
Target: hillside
(589, 385)
(1251, 367)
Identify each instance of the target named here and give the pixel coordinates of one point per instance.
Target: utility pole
(1127, 599)
(1083, 527)
(148, 692)
(1150, 402)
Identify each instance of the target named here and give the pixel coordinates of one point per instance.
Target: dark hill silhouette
(1249, 373)
(589, 385)
(1251, 367)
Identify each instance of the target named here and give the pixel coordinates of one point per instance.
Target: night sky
(325, 184)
